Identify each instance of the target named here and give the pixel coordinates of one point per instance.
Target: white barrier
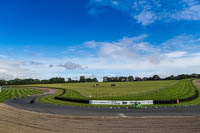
(114, 102)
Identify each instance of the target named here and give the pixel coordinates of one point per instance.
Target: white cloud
(34, 63)
(70, 66)
(131, 54)
(11, 69)
(128, 55)
(112, 50)
(145, 17)
(125, 48)
(140, 10)
(3, 56)
(176, 54)
(190, 13)
(183, 43)
(91, 44)
(144, 46)
(146, 12)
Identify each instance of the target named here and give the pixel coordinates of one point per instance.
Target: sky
(96, 38)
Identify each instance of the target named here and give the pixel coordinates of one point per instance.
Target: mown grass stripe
(9, 93)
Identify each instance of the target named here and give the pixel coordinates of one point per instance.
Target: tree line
(105, 79)
(154, 77)
(48, 81)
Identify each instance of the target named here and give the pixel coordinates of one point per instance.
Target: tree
(82, 79)
(170, 77)
(57, 80)
(156, 77)
(69, 80)
(94, 80)
(138, 79)
(145, 79)
(122, 79)
(2, 82)
(130, 78)
(194, 75)
(105, 79)
(88, 80)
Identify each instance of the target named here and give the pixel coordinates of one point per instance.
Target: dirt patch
(51, 91)
(14, 120)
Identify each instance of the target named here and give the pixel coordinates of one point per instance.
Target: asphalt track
(24, 103)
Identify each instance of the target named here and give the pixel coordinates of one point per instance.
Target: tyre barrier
(32, 101)
(62, 92)
(72, 100)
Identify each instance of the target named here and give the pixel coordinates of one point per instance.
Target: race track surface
(13, 120)
(24, 103)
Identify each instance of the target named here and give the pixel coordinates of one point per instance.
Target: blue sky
(96, 38)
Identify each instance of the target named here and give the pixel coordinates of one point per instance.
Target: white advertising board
(113, 102)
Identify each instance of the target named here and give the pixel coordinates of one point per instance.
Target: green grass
(12, 92)
(125, 89)
(148, 90)
(182, 89)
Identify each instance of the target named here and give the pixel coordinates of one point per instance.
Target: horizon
(41, 39)
(101, 80)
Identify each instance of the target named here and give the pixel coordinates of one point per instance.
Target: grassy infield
(148, 90)
(9, 93)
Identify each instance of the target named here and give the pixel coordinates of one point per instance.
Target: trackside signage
(113, 102)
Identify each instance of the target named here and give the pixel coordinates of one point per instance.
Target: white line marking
(122, 115)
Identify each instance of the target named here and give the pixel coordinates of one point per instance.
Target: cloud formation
(176, 54)
(129, 55)
(183, 43)
(146, 12)
(190, 13)
(128, 48)
(35, 63)
(136, 54)
(145, 17)
(11, 69)
(71, 66)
